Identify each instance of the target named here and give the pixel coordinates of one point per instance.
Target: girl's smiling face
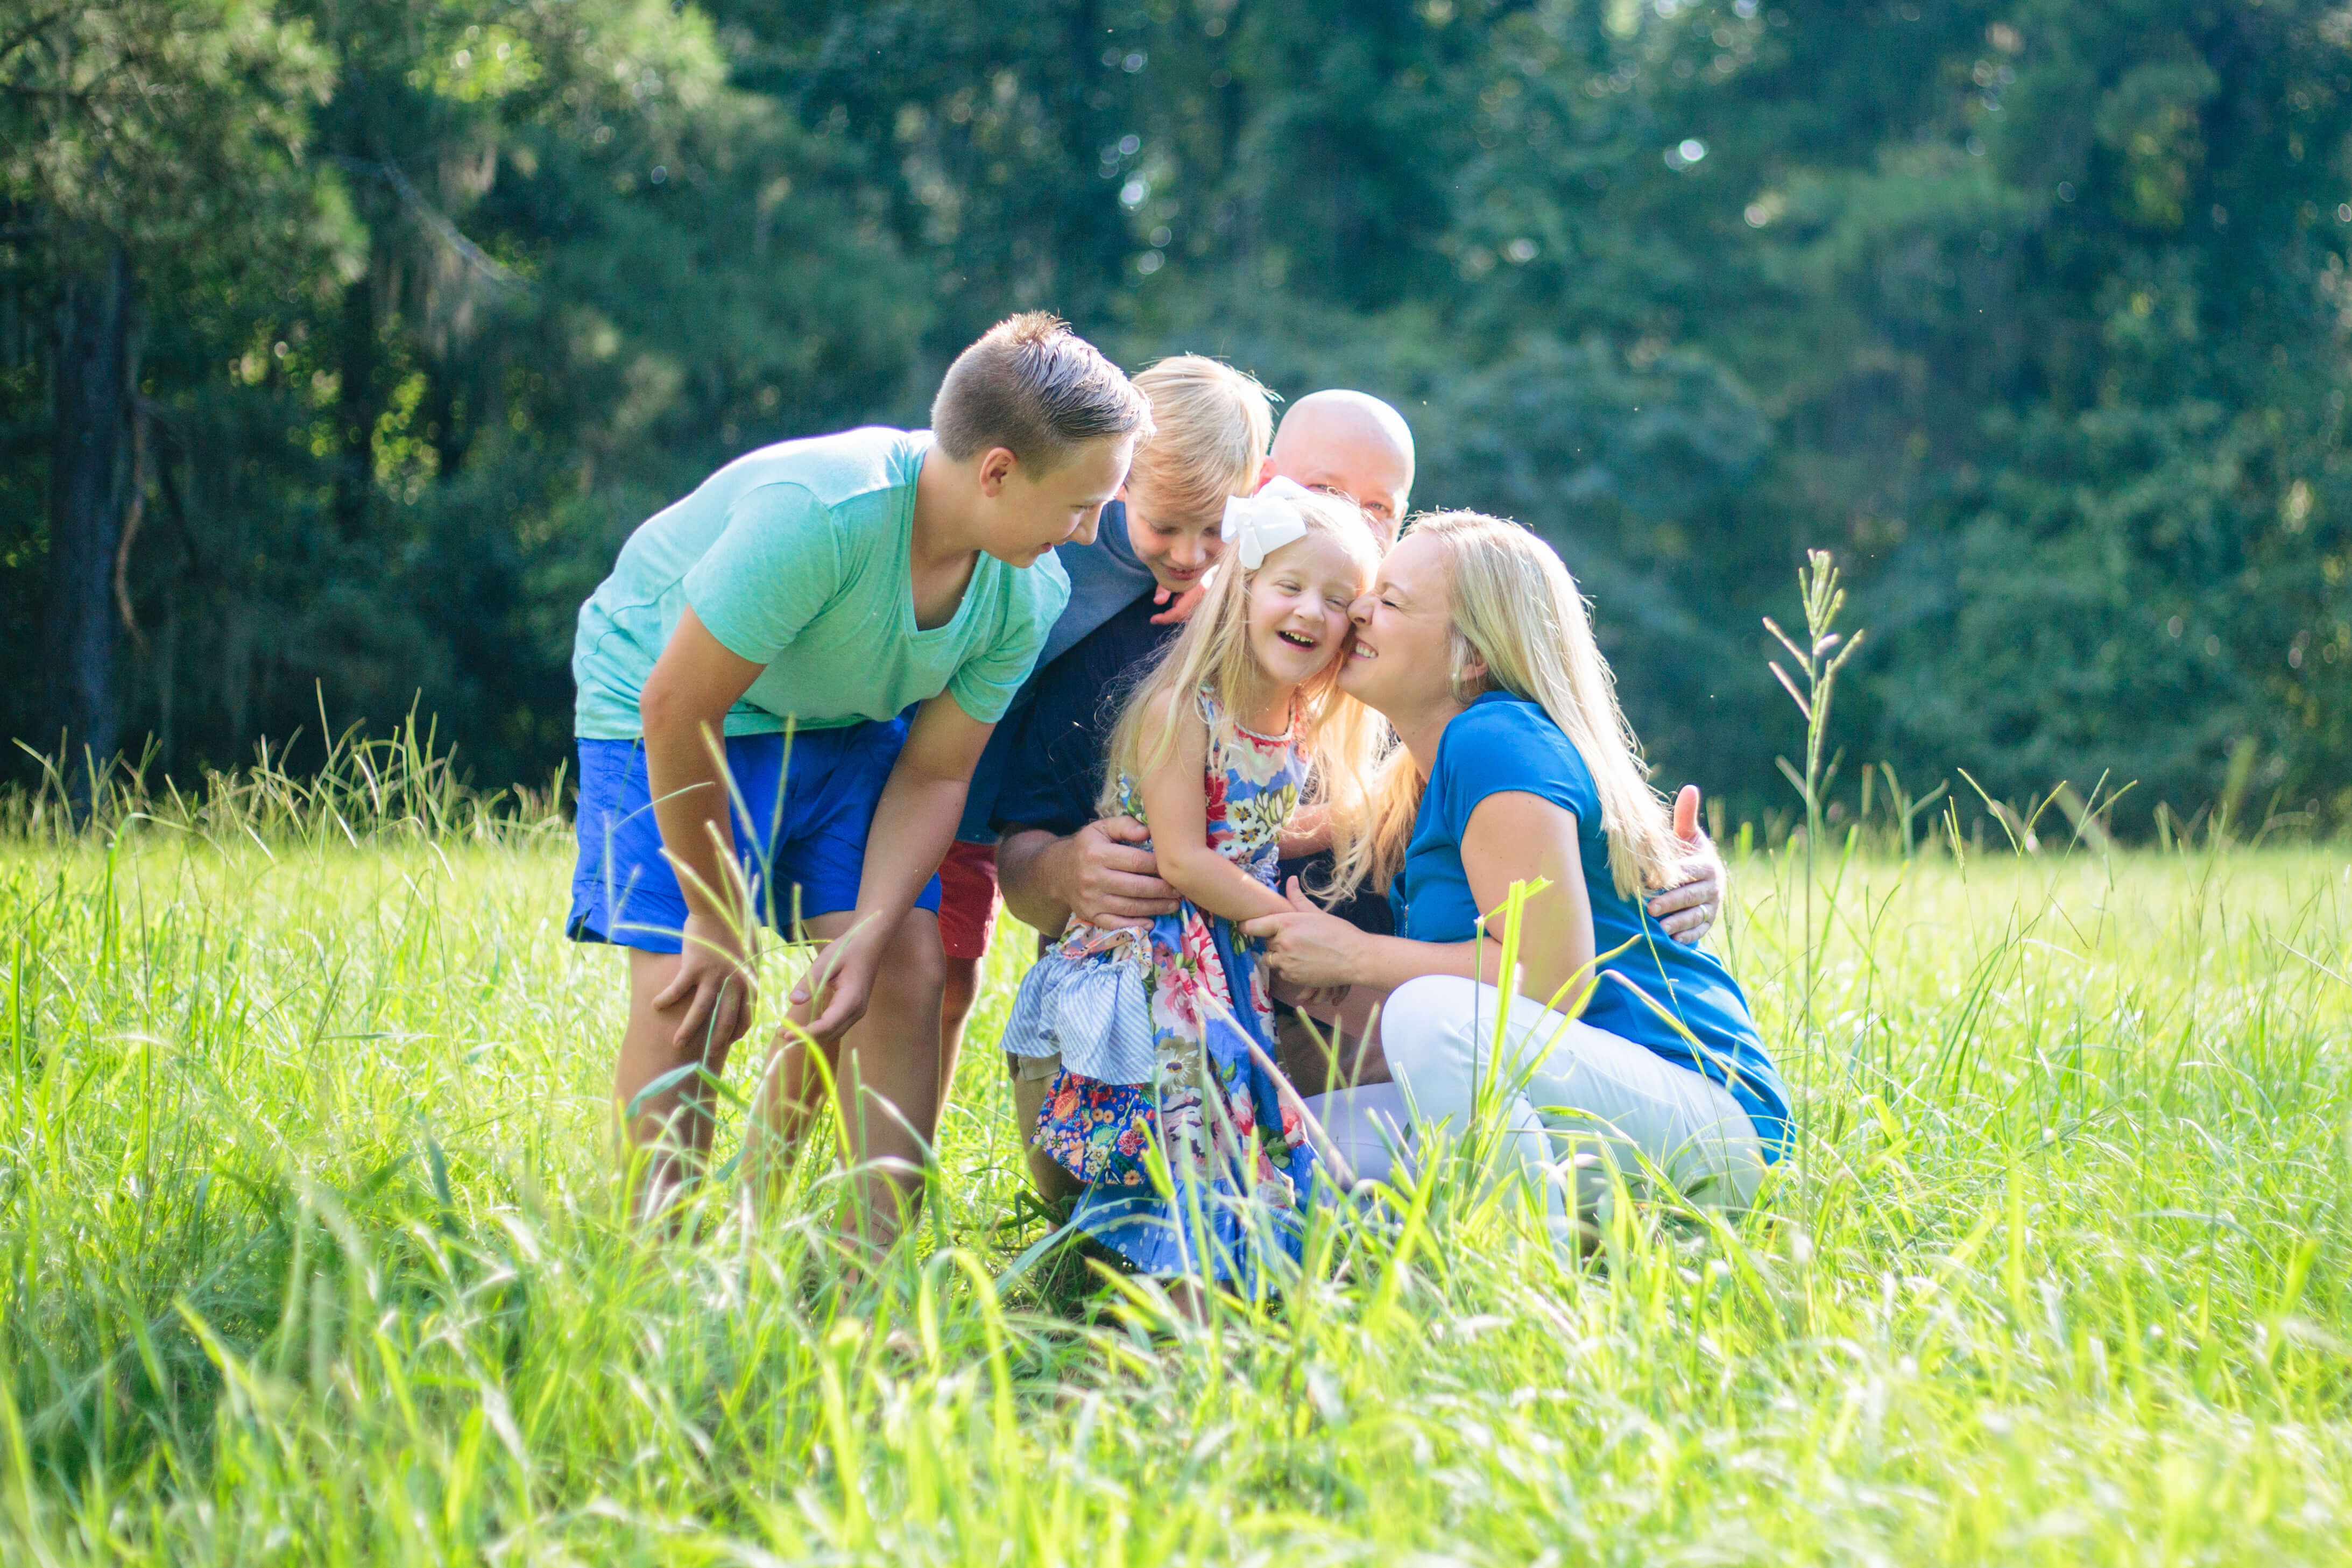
(1297, 605)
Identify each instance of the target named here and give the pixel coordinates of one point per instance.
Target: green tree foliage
(129, 132)
(2036, 312)
(534, 266)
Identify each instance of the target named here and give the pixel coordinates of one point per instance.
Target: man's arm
(1100, 873)
(914, 823)
(683, 710)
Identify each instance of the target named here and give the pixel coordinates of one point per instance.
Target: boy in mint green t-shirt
(782, 689)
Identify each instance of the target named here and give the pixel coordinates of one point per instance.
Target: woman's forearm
(1387, 961)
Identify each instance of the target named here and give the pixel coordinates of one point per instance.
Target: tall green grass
(313, 1252)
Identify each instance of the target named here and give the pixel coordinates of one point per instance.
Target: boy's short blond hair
(1212, 425)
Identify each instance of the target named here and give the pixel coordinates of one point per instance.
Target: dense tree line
(342, 340)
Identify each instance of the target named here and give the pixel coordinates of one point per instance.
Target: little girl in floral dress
(1158, 1104)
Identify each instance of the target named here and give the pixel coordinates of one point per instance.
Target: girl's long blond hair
(1515, 609)
(1338, 737)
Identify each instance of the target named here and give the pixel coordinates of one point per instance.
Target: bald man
(1348, 443)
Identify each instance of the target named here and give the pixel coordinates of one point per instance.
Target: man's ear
(996, 465)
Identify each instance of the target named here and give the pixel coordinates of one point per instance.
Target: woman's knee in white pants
(1422, 1018)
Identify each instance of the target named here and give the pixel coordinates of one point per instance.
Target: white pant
(1563, 1086)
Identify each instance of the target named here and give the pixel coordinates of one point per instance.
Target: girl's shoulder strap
(1219, 724)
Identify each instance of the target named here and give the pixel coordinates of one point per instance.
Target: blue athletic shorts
(806, 832)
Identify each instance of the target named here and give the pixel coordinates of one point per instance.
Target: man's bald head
(1350, 442)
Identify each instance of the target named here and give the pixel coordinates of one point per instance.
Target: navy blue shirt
(1105, 578)
(1056, 750)
(1506, 744)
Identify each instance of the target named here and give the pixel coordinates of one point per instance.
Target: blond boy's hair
(1210, 427)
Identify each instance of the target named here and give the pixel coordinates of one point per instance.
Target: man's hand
(1309, 948)
(1318, 999)
(1688, 908)
(713, 983)
(1111, 882)
(1186, 603)
(838, 983)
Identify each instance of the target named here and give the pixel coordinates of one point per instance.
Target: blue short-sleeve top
(1506, 744)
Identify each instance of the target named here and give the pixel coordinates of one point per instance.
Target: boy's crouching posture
(852, 614)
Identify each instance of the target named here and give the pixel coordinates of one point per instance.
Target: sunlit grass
(312, 1251)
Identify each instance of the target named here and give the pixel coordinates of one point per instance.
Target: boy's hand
(713, 983)
(1181, 610)
(839, 983)
(1687, 910)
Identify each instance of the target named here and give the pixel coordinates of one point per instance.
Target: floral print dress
(1158, 1104)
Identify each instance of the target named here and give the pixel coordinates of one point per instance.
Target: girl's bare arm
(1180, 825)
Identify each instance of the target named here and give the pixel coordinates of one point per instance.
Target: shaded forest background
(341, 342)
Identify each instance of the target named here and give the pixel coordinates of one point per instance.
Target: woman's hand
(1307, 947)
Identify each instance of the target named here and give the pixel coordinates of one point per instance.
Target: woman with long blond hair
(1514, 765)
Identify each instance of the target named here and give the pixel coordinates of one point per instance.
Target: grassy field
(312, 1254)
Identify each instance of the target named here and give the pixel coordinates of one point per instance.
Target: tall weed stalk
(1818, 660)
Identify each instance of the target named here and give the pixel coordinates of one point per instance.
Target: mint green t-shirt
(796, 557)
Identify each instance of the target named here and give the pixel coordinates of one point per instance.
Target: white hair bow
(1261, 524)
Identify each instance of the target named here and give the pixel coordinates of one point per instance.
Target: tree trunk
(87, 445)
(356, 410)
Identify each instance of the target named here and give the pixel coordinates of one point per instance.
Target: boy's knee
(914, 961)
(960, 985)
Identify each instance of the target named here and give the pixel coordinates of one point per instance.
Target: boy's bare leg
(885, 1074)
(672, 1127)
(1054, 1183)
(961, 990)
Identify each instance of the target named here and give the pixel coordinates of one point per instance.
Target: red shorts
(968, 899)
